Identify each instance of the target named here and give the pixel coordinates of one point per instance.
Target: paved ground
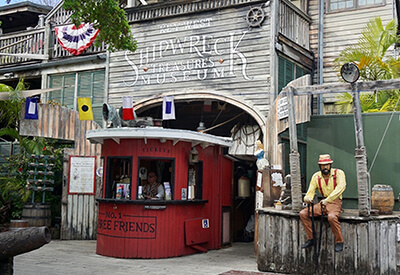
(79, 257)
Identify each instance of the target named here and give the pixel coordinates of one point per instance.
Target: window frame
(159, 177)
(287, 66)
(77, 85)
(108, 186)
(356, 5)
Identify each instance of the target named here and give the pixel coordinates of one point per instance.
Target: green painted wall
(335, 135)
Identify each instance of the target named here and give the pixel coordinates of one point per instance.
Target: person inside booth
(153, 189)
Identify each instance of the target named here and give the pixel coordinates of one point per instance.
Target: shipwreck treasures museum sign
(218, 52)
(209, 53)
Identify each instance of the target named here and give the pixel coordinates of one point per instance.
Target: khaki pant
(333, 210)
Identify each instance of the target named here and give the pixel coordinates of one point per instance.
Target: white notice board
(82, 172)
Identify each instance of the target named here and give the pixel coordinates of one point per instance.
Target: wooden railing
(30, 45)
(294, 23)
(27, 42)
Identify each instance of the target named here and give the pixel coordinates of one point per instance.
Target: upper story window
(336, 5)
(89, 84)
(288, 71)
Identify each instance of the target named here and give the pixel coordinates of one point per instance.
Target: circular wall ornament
(255, 17)
(350, 72)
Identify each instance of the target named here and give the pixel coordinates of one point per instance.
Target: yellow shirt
(328, 190)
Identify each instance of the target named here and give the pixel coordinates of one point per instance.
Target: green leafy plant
(371, 56)
(14, 176)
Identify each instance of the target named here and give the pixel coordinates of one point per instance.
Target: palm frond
(344, 104)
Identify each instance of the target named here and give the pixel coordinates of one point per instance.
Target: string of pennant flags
(86, 112)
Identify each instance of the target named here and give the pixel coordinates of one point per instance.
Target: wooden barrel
(382, 198)
(37, 214)
(18, 224)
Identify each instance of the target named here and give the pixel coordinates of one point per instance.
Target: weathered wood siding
(341, 29)
(371, 245)
(207, 50)
(78, 212)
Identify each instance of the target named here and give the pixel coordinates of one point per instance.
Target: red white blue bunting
(76, 39)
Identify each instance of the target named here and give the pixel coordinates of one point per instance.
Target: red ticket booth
(190, 219)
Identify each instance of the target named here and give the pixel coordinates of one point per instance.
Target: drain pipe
(320, 53)
(106, 82)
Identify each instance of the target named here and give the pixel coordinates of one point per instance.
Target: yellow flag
(85, 108)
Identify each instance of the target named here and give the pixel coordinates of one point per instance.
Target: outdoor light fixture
(201, 127)
(350, 72)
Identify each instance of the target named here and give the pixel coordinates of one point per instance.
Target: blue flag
(31, 110)
(168, 108)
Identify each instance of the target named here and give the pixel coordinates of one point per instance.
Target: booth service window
(118, 180)
(164, 169)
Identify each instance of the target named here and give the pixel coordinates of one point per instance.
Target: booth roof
(163, 134)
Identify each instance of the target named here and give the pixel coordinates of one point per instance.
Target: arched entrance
(222, 115)
(193, 106)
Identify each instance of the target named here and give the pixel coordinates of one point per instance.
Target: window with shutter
(90, 84)
(288, 71)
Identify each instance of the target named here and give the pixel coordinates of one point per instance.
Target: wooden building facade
(233, 56)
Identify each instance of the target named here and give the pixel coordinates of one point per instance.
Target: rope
(383, 136)
(229, 120)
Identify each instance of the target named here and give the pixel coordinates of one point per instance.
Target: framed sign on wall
(82, 173)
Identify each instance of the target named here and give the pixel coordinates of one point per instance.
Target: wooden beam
(29, 93)
(365, 86)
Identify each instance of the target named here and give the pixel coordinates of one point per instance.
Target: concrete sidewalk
(79, 257)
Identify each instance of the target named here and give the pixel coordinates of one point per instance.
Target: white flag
(168, 108)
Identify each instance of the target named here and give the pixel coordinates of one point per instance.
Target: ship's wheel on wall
(255, 17)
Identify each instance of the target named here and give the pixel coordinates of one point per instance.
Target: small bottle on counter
(140, 192)
(120, 192)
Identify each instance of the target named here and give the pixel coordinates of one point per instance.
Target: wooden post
(268, 199)
(64, 230)
(48, 47)
(294, 156)
(361, 157)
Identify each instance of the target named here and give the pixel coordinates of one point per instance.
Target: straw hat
(325, 159)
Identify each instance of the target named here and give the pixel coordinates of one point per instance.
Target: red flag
(207, 106)
(127, 108)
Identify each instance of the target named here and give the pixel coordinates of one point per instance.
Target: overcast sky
(4, 2)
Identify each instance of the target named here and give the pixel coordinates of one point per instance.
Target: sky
(4, 2)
